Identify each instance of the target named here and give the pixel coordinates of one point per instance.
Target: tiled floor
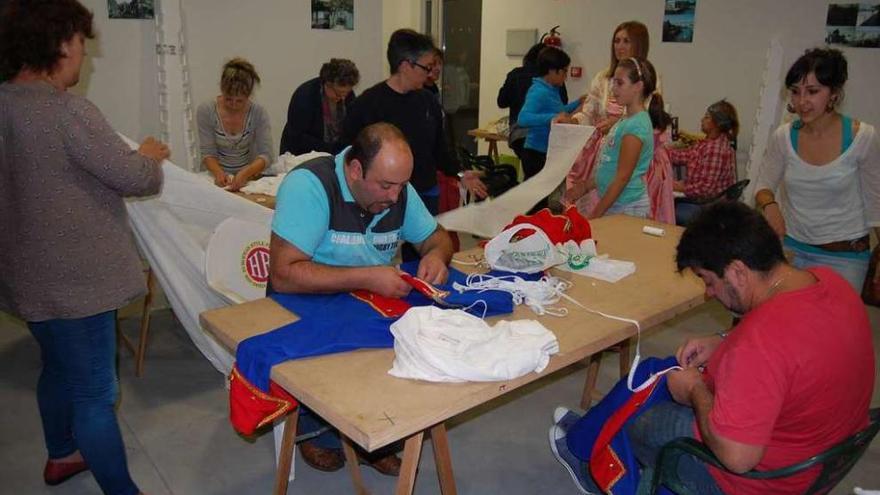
(179, 440)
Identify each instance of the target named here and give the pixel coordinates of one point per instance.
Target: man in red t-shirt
(793, 378)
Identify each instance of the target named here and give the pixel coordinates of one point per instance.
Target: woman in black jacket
(317, 109)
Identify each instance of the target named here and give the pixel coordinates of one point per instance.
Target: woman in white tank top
(825, 168)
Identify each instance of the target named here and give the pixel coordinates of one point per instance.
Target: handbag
(498, 178)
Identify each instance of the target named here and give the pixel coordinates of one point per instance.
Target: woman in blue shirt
(543, 105)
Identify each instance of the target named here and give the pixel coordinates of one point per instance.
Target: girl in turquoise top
(627, 151)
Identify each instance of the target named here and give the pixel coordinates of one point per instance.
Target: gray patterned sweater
(66, 250)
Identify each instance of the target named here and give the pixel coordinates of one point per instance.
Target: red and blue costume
(599, 439)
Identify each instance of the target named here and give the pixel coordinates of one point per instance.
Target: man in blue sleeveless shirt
(337, 225)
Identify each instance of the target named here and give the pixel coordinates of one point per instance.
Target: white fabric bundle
(450, 345)
(275, 173)
(265, 185)
(288, 161)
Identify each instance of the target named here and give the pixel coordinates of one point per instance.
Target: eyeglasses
(420, 66)
(339, 93)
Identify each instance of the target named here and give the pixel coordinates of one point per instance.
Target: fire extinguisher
(552, 38)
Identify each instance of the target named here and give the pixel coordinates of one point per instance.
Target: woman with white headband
(628, 148)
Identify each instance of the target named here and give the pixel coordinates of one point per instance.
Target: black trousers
(533, 162)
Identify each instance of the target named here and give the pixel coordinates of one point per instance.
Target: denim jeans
(653, 429)
(77, 392)
(310, 422)
(851, 266)
(640, 208)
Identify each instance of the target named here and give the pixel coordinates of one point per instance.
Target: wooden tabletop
(261, 199)
(354, 392)
(484, 134)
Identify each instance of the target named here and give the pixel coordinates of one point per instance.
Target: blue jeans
(309, 422)
(77, 392)
(640, 208)
(652, 430)
(851, 266)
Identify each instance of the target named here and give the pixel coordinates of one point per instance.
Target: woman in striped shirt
(235, 139)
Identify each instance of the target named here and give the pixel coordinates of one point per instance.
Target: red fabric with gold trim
(569, 226)
(385, 306)
(428, 290)
(605, 466)
(250, 408)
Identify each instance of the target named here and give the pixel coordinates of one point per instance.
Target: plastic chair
(734, 192)
(834, 463)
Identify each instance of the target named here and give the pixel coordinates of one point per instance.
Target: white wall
(277, 38)
(399, 14)
(119, 75)
(726, 58)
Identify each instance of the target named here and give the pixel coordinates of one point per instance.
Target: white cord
(637, 358)
(478, 301)
(540, 295)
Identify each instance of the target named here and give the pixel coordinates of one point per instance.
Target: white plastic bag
(530, 254)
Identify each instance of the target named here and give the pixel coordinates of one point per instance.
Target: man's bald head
(368, 143)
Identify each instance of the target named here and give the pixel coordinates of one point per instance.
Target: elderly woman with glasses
(317, 109)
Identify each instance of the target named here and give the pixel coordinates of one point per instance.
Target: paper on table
(489, 217)
(603, 268)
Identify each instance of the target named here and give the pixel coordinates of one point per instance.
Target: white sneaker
(575, 467)
(560, 413)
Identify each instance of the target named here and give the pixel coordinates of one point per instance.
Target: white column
(176, 112)
(767, 116)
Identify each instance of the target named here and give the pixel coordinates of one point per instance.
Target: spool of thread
(655, 231)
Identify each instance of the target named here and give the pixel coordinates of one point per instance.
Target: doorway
(460, 23)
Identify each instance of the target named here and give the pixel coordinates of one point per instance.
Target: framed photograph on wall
(678, 21)
(333, 14)
(853, 24)
(130, 9)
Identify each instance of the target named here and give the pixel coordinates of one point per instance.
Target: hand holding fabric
(155, 149)
(222, 179)
(386, 281)
(238, 180)
(696, 352)
(432, 269)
